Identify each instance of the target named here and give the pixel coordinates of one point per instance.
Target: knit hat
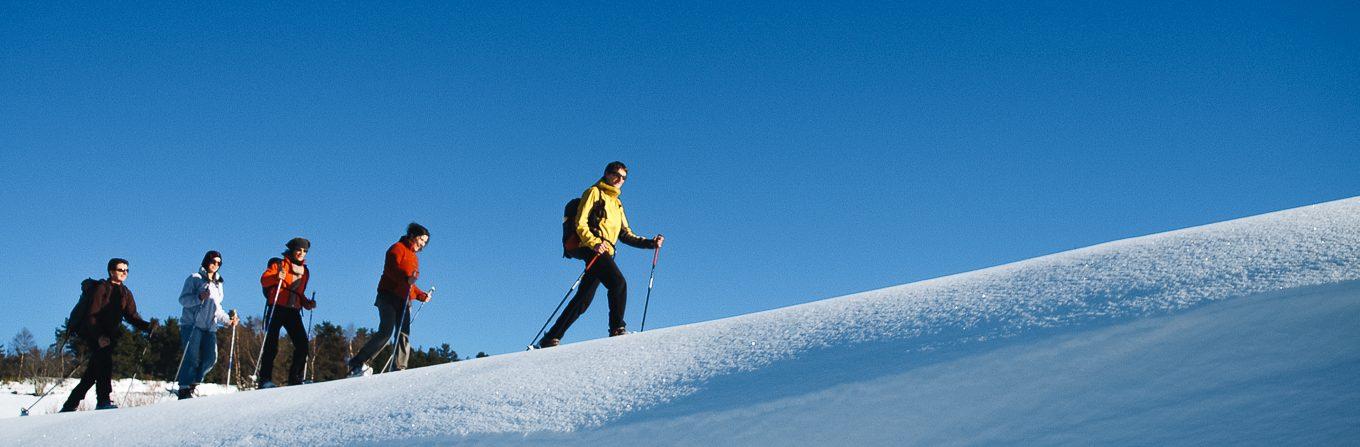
(298, 242)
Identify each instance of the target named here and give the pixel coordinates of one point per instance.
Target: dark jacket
(103, 306)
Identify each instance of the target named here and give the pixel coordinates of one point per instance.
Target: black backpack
(82, 310)
(570, 241)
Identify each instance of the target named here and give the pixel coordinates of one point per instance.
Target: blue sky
(789, 151)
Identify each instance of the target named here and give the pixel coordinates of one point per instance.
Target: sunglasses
(121, 270)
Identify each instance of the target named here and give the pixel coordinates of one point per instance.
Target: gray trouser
(389, 313)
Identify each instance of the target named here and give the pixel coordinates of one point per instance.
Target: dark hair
(208, 257)
(113, 263)
(416, 230)
(613, 166)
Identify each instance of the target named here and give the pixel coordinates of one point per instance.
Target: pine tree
(331, 351)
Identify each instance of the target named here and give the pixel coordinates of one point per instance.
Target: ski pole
(306, 362)
(396, 333)
(564, 301)
(231, 354)
(183, 355)
(268, 317)
(428, 297)
(188, 341)
(140, 356)
(392, 344)
(650, 278)
(24, 411)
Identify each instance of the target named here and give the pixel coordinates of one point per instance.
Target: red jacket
(401, 263)
(294, 291)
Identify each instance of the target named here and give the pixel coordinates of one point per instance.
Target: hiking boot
(549, 342)
(66, 409)
(106, 406)
(615, 332)
(185, 393)
(267, 385)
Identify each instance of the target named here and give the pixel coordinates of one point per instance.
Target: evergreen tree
(331, 350)
(332, 345)
(446, 352)
(7, 372)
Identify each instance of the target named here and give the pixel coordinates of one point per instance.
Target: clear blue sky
(790, 151)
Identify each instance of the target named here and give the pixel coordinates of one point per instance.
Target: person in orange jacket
(284, 283)
(396, 289)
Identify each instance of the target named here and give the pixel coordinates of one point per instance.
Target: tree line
(157, 356)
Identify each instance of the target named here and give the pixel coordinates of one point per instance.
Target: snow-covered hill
(1238, 332)
(127, 392)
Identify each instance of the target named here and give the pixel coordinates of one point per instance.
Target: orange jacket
(294, 291)
(401, 263)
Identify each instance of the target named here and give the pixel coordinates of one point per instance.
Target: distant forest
(157, 357)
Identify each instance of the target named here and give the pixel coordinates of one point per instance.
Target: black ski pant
(606, 272)
(291, 319)
(393, 315)
(98, 373)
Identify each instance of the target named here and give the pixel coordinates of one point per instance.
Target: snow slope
(127, 392)
(1238, 332)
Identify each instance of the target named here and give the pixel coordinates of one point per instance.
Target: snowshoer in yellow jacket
(600, 225)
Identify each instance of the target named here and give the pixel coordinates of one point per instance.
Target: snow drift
(1238, 332)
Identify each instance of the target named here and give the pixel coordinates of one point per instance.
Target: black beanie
(298, 242)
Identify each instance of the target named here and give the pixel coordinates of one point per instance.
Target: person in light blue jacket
(202, 301)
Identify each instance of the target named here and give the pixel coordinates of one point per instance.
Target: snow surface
(1238, 332)
(15, 396)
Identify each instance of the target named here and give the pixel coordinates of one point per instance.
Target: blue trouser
(200, 354)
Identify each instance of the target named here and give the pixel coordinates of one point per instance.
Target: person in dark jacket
(396, 289)
(600, 223)
(103, 306)
(284, 284)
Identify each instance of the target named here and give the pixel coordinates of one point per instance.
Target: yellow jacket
(611, 225)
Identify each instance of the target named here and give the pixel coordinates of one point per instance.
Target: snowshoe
(106, 406)
(361, 370)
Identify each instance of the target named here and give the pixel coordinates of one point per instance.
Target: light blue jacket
(202, 314)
